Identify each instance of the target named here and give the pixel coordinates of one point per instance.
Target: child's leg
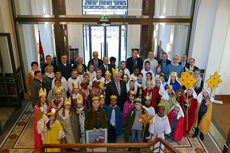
(139, 133)
(133, 135)
(112, 134)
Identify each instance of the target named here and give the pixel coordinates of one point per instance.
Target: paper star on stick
(214, 81)
(145, 118)
(187, 80)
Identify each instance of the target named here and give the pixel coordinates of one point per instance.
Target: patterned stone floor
(20, 138)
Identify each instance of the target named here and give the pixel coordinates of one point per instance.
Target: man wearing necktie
(116, 87)
(105, 66)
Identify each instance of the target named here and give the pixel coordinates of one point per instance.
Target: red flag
(41, 53)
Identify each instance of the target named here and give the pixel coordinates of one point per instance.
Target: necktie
(118, 87)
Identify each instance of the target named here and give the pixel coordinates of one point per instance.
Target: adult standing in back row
(153, 62)
(64, 67)
(134, 61)
(95, 61)
(164, 62)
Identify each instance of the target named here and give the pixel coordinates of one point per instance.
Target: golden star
(145, 118)
(214, 81)
(187, 79)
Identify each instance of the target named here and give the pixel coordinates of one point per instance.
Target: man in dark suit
(134, 61)
(105, 66)
(164, 62)
(95, 61)
(116, 87)
(35, 86)
(79, 61)
(183, 62)
(65, 67)
(48, 62)
(191, 66)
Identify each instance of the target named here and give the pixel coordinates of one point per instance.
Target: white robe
(150, 110)
(64, 84)
(70, 84)
(158, 128)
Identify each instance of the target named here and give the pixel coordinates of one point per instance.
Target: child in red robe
(176, 120)
(189, 108)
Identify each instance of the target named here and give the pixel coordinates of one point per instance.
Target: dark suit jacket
(100, 62)
(103, 69)
(111, 89)
(129, 64)
(35, 86)
(75, 67)
(194, 69)
(43, 68)
(65, 70)
(167, 62)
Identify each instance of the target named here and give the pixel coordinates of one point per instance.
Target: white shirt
(133, 76)
(113, 118)
(64, 84)
(153, 63)
(143, 71)
(102, 79)
(126, 71)
(92, 75)
(71, 82)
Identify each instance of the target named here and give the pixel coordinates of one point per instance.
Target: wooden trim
(222, 96)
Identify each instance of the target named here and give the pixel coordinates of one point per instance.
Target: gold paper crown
(75, 85)
(148, 98)
(67, 101)
(138, 100)
(113, 97)
(42, 92)
(57, 90)
(177, 104)
(173, 74)
(170, 87)
(102, 96)
(160, 105)
(158, 79)
(132, 93)
(53, 112)
(79, 100)
(132, 78)
(95, 99)
(149, 81)
(140, 86)
(107, 73)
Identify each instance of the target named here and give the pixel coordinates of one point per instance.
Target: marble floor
(5, 114)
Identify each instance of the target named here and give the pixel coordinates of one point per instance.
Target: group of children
(58, 118)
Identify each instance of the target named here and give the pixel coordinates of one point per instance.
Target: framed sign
(98, 136)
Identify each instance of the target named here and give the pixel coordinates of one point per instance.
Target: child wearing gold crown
(69, 121)
(85, 93)
(128, 105)
(159, 127)
(96, 117)
(75, 92)
(58, 101)
(81, 111)
(72, 80)
(176, 120)
(130, 86)
(114, 120)
(53, 131)
(39, 117)
(173, 81)
(133, 127)
(151, 111)
(107, 79)
(188, 102)
(140, 93)
(102, 102)
(168, 99)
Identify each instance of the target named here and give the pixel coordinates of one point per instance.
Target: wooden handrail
(111, 145)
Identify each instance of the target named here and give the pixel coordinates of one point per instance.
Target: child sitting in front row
(114, 121)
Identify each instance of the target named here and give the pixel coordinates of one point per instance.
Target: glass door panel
(112, 42)
(97, 40)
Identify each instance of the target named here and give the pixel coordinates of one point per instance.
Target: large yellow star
(214, 81)
(145, 118)
(187, 79)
